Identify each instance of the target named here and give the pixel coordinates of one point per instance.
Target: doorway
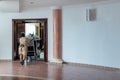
(36, 27)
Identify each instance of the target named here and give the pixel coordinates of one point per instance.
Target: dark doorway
(41, 31)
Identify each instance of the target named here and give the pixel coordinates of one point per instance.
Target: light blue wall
(6, 29)
(96, 42)
(86, 42)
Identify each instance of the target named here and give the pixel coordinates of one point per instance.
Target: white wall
(6, 28)
(86, 42)
(96, 42)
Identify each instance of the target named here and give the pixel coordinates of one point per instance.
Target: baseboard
(6, 60)
(94, 66)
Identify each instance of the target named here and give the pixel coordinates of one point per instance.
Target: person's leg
(22, 61)
(20, 54)
(24, 53)
(24, 57)
(21, 57)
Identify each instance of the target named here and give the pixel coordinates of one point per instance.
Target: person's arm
(28, 40)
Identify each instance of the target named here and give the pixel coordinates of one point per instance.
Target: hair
(22, 34)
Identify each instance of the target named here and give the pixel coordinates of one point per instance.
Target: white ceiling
(9, 6)
(16, 5)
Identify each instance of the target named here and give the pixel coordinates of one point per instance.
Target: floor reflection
(19, 77)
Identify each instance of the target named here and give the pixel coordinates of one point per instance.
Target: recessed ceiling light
(31, 2)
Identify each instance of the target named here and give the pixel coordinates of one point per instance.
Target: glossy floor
(46, 71)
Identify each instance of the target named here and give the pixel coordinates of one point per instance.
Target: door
(19, 26)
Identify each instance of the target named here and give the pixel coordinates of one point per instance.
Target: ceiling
(16, 5)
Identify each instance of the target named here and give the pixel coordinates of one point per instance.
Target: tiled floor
(45, 71)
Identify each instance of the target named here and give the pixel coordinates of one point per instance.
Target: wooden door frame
(45, 20)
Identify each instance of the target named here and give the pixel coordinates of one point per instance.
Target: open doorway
(36, 27)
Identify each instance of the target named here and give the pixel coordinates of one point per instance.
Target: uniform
(23, 47)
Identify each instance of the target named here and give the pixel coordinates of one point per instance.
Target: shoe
(22, 62)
